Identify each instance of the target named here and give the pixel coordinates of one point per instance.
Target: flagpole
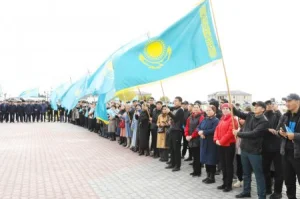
(162, 88)
(140, 93)
(223, 63)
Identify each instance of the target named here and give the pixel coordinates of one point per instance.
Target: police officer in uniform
(43, 111)
(21, 111)
(18, 106)
(37, 111)
(5, 111)
(28, 112)
(12, 111)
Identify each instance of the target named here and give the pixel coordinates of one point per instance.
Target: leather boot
(207, 177)
(211, 179)
(125, 141)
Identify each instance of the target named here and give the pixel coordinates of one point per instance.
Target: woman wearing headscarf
(163, 125)
(225, 139)
(191, 135)
(208, 148)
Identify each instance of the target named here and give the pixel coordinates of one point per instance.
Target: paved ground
(55, 160)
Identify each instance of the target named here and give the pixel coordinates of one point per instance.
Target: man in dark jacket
(43, 111)
(290, 144)
(28, 112)
(271, 153)
(12, 108)
(152, 105)
(155, 113)
(177, 117)
(251, 146)
(20, 112)
(36, 111)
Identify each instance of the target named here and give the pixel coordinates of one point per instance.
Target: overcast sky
(45, 42)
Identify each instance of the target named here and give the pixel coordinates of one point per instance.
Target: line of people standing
(257, 141)
(30, 111)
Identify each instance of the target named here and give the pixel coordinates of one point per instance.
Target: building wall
(237, 98)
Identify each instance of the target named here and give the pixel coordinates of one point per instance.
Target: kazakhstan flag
(100, 110)
(103, 80)
(58, 93)
(100, 81)
(187, 45)
(76, 91)
(30, 93)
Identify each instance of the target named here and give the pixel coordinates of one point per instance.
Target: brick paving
(53, 160)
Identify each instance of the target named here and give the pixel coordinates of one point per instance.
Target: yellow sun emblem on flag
(77, 92)
(155, 54)
(27, 92)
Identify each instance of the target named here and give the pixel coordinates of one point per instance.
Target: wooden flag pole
(223, 63)
(162, 88)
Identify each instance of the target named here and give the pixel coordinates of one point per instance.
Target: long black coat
(144, 130)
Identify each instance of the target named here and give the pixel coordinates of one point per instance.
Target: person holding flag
(251, 148)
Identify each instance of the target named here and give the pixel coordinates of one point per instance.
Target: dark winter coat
(208, 148)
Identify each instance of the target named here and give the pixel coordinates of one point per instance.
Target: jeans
(291, 169)
(253, 162)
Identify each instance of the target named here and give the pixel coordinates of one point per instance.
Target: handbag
(122, 124)
(161, 130)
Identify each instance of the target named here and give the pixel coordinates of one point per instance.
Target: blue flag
(97, 82)
(30, 93)
(76, 91)
(186, 45)
(58, 93)
(100, 110)
(104, 79)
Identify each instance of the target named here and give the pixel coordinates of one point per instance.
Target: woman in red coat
(225, 139)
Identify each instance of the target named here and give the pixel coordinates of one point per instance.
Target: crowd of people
(258, 139)
(31, 111)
